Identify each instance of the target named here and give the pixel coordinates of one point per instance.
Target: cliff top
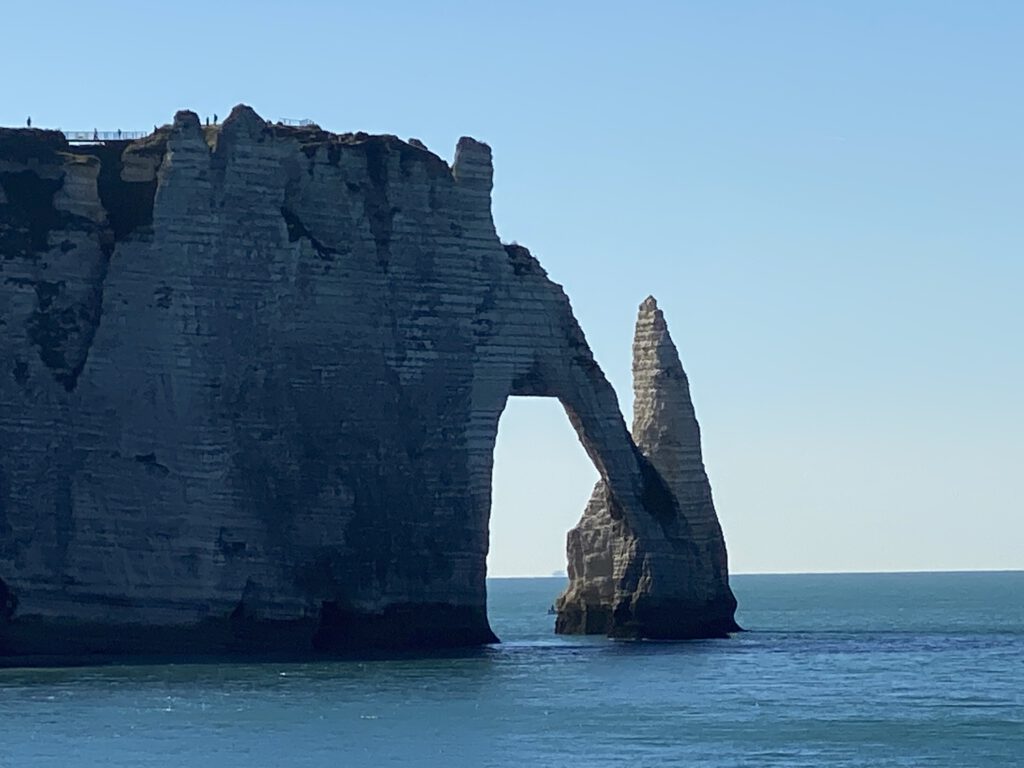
(25, 145)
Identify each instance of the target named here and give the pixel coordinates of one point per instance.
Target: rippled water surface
(844, 670)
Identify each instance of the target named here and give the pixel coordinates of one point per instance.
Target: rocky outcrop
(251, 384)
(673, 583)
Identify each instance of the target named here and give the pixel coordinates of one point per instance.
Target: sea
(914, 669)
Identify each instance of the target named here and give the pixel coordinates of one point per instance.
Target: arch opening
(541, 479)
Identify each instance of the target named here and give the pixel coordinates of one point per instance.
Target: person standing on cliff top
(29, 121)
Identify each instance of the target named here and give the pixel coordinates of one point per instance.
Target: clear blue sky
(826, 198)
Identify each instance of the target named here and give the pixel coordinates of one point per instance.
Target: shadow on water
(226, 659)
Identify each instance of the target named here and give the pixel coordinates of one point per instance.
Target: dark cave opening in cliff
(541, 481)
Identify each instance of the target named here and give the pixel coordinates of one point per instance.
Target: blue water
(842, 670)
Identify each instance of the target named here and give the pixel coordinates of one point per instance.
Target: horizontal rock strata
(250, 388)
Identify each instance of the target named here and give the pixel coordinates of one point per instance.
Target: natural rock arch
(264, 411)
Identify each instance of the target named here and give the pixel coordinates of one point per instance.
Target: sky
(827, 199)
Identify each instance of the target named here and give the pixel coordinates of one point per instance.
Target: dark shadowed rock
(252, 377)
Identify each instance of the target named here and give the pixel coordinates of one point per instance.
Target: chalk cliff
(250, 388)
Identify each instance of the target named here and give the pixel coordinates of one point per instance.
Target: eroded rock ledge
(250, 387)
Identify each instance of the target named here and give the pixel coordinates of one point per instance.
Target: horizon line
(810, 573)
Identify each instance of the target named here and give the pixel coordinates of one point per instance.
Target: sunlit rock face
(250, 387)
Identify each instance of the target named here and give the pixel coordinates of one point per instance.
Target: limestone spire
(699, 602)
(665, 425)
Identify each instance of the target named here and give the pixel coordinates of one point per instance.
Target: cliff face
(251, 385)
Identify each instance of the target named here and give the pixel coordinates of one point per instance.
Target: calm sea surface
(843, 670)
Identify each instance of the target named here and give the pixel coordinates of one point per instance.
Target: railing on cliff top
(90, 136)
(86, 137)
